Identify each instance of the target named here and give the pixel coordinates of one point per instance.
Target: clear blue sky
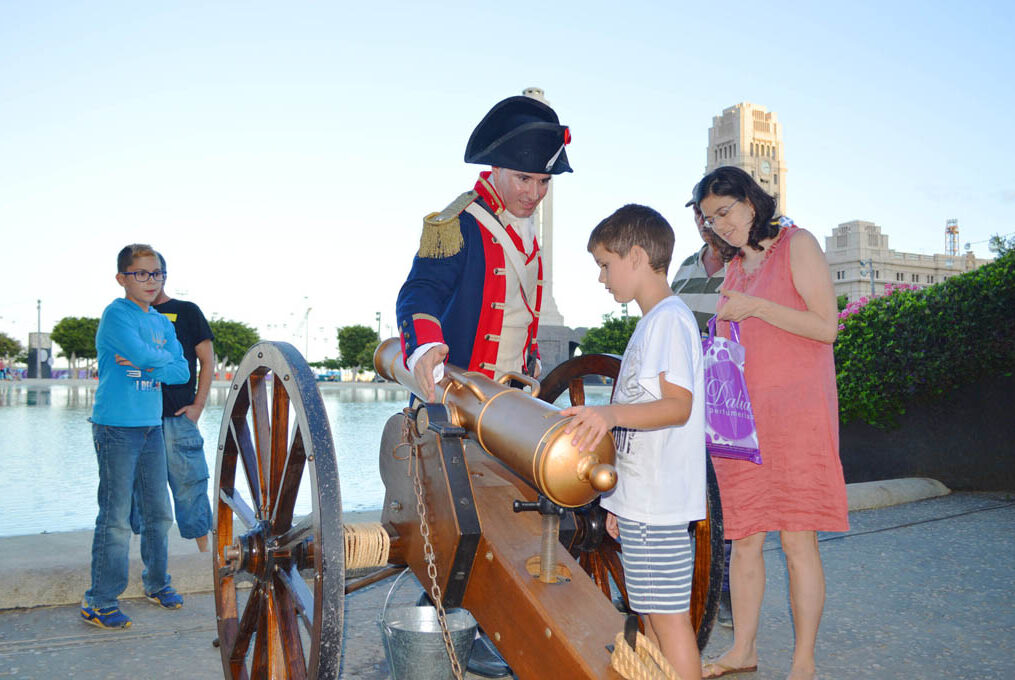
(282, 155)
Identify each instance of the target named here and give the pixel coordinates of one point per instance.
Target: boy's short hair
(130, 253)
(636, 225)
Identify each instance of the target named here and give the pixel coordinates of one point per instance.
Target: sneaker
(167, 598)
(725, 616)
(110, 617)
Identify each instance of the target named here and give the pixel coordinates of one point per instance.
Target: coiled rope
(366, 545)
(645, 663)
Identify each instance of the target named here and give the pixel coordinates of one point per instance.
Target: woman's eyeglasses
(721, 213)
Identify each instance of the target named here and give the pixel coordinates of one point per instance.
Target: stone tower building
(749, 137)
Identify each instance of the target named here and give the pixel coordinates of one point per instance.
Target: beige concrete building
(749, 137)
(858, 248)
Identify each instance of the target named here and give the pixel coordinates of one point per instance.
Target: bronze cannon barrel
(524, 433)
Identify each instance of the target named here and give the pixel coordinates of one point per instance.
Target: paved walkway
(918, 590)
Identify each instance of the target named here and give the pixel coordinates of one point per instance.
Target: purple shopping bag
(729, 420)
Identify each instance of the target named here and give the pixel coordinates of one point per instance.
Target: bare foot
(202, 543)
(728, 664)
(801, 674)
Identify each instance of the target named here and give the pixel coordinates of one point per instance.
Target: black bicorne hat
(523, 134)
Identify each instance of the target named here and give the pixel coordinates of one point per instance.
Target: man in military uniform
(474, 292)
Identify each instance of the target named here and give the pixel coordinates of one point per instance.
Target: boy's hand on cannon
(590, 424)
(423, 370)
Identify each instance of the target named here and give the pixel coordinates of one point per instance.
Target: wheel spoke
(272, 634)
(592, 564)
(262, 435)
(288, 629)
(241, 434)
(702, 537)
(248, 624)
(259, 666)
(285, 498)
(303, 599)
(610, 553)
(576, 391)
(279, 439)
(296, 534)
(229, 452)
(239, 507)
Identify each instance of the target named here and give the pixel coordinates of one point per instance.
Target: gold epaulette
(442, 234)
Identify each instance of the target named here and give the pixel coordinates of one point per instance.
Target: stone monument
(557, 342)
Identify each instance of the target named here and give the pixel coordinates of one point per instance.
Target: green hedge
(913, 346)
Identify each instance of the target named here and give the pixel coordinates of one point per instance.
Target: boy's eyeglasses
(141, 275)
(721, 213)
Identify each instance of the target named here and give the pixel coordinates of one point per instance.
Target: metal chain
(428, 555)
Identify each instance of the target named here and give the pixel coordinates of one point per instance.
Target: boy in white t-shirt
(658, 423)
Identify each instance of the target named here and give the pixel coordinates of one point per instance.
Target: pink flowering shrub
(917, 345)
(855, 306)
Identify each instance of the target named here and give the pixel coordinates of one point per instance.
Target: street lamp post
(869, 271)
(378, 325)
(38, 339)
(306, 332)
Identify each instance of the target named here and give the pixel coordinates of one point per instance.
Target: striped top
(698, 290)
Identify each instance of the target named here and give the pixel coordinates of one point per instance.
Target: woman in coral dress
(779, 289)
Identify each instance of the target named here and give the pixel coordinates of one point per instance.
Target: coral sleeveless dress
(791, 381)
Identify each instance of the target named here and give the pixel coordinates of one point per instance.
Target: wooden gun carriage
(545, 586)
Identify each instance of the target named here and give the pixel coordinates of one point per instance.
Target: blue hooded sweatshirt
(131, 396)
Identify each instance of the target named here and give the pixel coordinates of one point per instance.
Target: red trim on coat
(427, 330)
(484, 187)
(491, 319)
(535, 251)
(517, 240)
(534, 326)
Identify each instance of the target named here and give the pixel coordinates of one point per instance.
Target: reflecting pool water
(49, 477)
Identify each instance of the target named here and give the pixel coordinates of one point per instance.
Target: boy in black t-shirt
(181, 408)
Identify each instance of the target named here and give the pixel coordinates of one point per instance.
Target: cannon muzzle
(523, 432)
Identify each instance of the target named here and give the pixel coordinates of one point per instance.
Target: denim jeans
(188, 478)
(126, 453)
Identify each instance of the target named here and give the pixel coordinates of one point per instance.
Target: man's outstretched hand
(423, 370)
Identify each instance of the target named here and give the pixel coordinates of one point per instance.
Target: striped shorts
(658, 565)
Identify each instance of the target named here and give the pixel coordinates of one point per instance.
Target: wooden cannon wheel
(598, 553)
(275, 431)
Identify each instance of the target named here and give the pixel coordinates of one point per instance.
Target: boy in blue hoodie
(137, 350)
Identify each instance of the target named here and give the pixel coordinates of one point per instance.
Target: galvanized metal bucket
(414, 645)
